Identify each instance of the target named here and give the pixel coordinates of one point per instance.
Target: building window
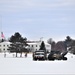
(4, 45)
(4, 49)
(7, 48)
(7, 45)
(32, 45)
(36, 45)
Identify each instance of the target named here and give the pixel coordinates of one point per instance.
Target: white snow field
(13, 65)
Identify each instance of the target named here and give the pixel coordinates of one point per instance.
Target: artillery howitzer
(57, 55)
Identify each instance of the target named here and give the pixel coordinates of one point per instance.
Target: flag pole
(1, 30)
(0, 23)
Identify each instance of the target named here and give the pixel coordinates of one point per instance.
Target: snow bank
(12, 65)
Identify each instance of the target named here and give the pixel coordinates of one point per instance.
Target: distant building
(4, 46)
(35, 45)
(32, 46)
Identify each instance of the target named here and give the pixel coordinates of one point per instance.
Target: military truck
(39, 55)
(57, 55)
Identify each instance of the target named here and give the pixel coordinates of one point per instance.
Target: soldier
(5, 55)
(26, 54)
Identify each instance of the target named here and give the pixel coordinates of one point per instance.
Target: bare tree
(50, 41)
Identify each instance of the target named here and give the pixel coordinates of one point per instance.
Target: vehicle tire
(64, 58)
(43, 59)
(34, 59)
(59, 58)
(50, 58)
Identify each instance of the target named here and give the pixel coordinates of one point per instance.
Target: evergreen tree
(18, 44)
(42, 47)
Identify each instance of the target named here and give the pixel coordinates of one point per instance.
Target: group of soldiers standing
(14, 55)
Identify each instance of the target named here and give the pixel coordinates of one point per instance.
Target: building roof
(5, 42)
(39, 43)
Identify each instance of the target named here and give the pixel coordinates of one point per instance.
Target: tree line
(67, 45)
(18, 44)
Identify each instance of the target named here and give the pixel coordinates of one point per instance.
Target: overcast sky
(38, 18)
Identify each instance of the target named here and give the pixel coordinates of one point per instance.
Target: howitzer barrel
(64, 53)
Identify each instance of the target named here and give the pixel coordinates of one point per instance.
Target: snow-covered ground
(12, 65)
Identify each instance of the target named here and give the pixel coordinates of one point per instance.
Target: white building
(36, 46)
(32, 46)
(4, 46)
